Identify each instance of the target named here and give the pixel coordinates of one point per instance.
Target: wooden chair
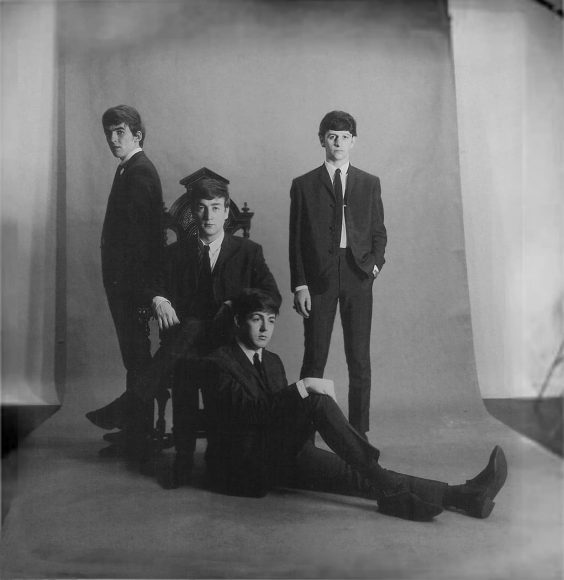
(179, 224)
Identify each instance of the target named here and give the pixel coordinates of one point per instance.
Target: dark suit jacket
(132, 235)
(315, 225)
(240, 265)
(241, 407)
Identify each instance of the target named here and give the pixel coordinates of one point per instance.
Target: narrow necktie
(258, 365)
(205, 282)
(206, 263)
(338, 186)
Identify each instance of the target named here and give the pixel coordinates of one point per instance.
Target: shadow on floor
(537, 419)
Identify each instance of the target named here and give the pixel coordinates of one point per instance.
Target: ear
(137, 136)
(236, 321)
(353, 141)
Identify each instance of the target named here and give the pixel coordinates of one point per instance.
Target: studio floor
(73, 514)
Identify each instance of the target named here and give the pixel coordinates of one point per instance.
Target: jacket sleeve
(144, 232)
(297, 272)
(229, 402)
(379, 235)
(262, 277)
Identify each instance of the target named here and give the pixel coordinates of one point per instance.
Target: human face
(337, 145)
(121, 140)
(211, 215)
(256, 330)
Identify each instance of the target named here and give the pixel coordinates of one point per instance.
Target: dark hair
(128, 115)
(337, 121)
(254, 300)
(207, 188)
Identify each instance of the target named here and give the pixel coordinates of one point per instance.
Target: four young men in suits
(337, 244)
(260, 428)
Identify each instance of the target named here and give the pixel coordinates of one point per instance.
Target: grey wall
(240, 87)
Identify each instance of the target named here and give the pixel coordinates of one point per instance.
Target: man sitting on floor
(260, 432)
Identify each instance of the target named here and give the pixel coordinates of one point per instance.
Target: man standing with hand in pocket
(337, 245)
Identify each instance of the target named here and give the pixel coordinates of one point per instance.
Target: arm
(302, 297)
(143, 233)
(262, 278)
(379, 235)
(297, 272)
(234, 400)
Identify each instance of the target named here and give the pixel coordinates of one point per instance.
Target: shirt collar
(331, 169)
(130, 155)
(249, 352)
(215, 246)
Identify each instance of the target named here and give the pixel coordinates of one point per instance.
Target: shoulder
(273, 361)
(223, 361)
(141, 165)
(272, 357)
(364, 175)
(309, 176)
(242, 244)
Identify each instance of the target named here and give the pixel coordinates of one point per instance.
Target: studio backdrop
(240, 87)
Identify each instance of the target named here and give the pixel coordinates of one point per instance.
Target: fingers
(302, 303)
(167, 317)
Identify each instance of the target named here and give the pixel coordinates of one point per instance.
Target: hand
(166, 315)
(302, 302)
(320, 386)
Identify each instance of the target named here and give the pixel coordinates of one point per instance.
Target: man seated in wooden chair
(260, 432)
(191, 298)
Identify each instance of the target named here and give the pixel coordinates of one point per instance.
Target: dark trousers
(283, 455)
(172, 366)
(352, 468)
(132, 334)
(351, 289)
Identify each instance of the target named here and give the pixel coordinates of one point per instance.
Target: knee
(322, 403)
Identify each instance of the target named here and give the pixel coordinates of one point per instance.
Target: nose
(263, 326)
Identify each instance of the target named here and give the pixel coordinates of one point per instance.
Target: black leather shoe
(493, 476)
(111, 416)
(475, 497)
(408, 506)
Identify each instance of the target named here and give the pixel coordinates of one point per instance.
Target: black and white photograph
(282, 289)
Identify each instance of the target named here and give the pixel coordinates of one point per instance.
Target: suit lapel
(326, 180)
(351, 178)
(227, 248)
(190, 264)
(248, 366)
